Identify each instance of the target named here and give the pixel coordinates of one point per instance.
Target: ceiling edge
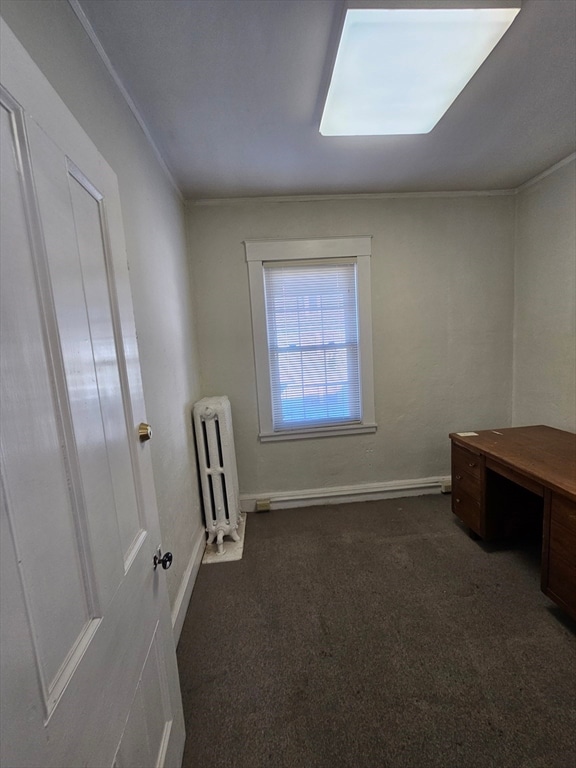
(89, 29)
(191, 202)
(547, 172)
(351, 196)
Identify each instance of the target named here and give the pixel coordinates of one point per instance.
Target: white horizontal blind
(312, 325)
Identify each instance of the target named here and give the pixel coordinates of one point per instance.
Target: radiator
(217, 468)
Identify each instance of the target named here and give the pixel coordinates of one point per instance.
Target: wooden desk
(503, 480)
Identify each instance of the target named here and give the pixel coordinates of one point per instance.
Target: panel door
(88, 664)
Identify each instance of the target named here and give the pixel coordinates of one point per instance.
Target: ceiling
(232, 93)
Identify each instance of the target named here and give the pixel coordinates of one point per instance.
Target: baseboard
(345, 493)
(186, 585)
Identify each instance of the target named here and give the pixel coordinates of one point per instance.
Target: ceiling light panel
(397, 71)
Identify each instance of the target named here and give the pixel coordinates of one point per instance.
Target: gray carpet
(376, 635)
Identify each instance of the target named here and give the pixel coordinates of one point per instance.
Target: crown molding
(89, 29)
(352, 196)
(547, 172)
(381, 195)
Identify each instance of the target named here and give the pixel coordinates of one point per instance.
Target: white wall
(156, 242)
(545, 313)
(442, 297)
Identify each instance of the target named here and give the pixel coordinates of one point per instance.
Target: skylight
(397, 71)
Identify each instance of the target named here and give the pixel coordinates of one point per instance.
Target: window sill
(304, 434)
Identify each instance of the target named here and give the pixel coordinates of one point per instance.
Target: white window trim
(260, 251)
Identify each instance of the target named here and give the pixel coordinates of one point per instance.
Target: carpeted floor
(376, 635)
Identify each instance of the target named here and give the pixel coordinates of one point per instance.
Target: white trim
(89, 29)
(431, 4)
(308, 248)
(302, 434)
(366, 348)
(346, 493)
(186, 585)
(164, 744)
(260, 342)
(258, 252)
(547, 172)
(344, 196)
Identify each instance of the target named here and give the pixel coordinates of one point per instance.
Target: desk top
(544, 454)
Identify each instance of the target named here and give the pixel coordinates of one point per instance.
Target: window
(311, 322)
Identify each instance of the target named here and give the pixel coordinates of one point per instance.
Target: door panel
(51, 181)
(156, 699)
(91, 235)
(134, 751)
(88, 670)
(150, 697)
(34, 462)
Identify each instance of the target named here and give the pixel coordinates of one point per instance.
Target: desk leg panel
(559, 552)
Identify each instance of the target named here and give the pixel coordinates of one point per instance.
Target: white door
(88, 664)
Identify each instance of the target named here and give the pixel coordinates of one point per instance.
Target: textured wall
(155, 237)
(545, 314)
(442, 298)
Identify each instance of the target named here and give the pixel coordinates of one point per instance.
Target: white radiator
(217, 465)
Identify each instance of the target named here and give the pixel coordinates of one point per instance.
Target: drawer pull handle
(457, 501)
(458, 477)
(472, 464)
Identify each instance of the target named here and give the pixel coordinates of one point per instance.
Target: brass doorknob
(144, 432)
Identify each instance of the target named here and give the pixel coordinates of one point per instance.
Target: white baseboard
(345, 493)
(186, 585)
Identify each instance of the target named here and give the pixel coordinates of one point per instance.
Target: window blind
(312, 326)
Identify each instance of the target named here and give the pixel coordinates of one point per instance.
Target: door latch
(164, 560)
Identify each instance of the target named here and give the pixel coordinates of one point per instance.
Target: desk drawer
(462, 482)
(465, 462)
(559, 555)
(562, 542)
(563, 511)
(467, 508)
(561, 586)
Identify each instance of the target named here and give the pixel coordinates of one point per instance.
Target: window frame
(260, 252)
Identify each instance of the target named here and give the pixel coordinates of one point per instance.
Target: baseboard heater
(217, 468)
